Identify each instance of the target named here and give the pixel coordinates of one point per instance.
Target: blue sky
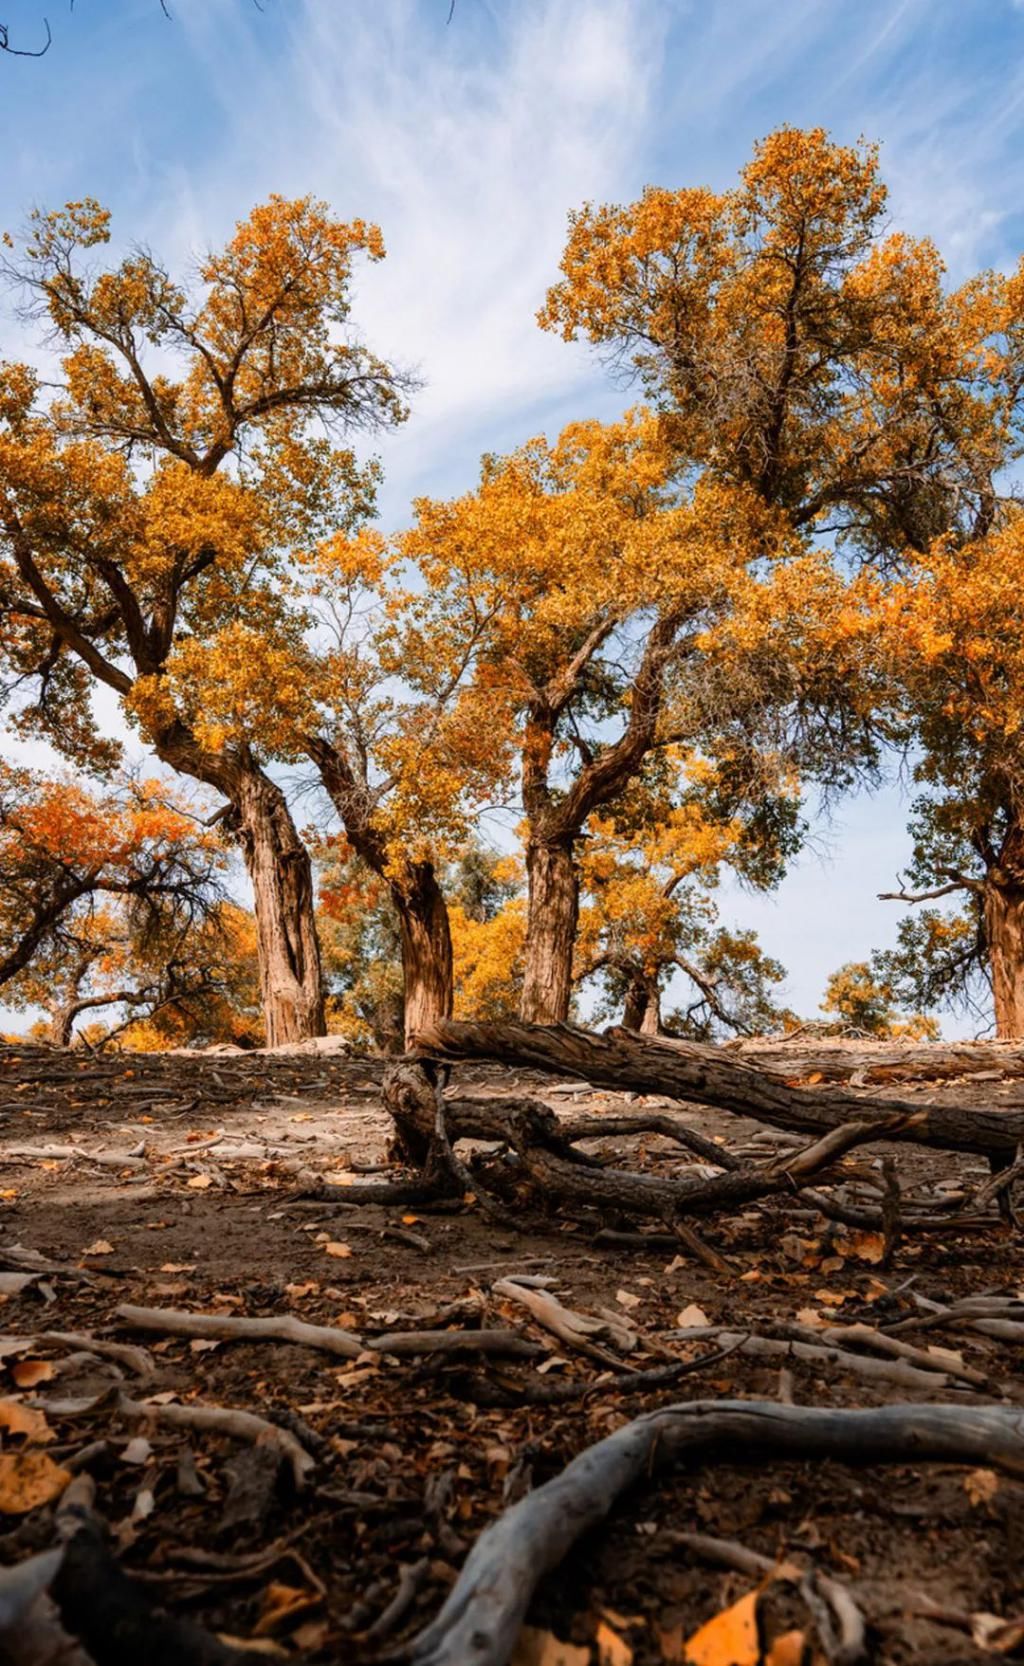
(469, 142)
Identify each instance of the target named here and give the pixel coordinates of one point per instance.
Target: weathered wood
(878, 1061)
(709, 1075)
(484, 1611)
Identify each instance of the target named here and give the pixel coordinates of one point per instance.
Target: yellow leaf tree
(149, 507)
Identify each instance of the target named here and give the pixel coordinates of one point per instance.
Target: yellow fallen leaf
(730, 1639)
(28, 1372)
(981, 1485)
(542, 1648)
(341, 1252)
(787, 1650)
(28, 1479)
(19, 1419)
(612, 1650)
(280, 1603)
(100, 1247)
(866, 1246)
(199, 1182)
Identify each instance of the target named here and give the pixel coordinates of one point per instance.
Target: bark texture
(552, 915)
(426, 947)
(413, 889)
(281, 876)
(710, 1075)
(1004, 932)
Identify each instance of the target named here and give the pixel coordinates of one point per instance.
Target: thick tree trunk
(552, 914)
(642, 1009)
(1004, 931)
(281, 875)
(426, 948)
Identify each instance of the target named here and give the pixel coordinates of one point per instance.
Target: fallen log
(482, 1616)
(708, 1075)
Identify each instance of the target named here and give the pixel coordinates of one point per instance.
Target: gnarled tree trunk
(1004, 931)
(281, 875)
(426, 947)
(413, 888)
(551, 919)
(642, 1008)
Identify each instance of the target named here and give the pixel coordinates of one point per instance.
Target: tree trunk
(1004, 932)
(642, 1009)
(426, 948)
(281, 875)
(552, 913)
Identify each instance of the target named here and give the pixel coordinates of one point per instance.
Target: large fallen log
(485, 1609)
(879, 1061)
(708, 1075)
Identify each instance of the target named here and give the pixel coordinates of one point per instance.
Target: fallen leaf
(100, 1247)
(866, 1246)
(202, 1345)
(253, 1645)
(810, 1316)
(542, 1648)
(751, 1277)
(996, 1635)
(28, 1372)
(199, 1182)
(626, 1299)
(981, 1485)
(28, 1479)
(340, 1251)
(280, 1603)
(831, 1298)
(178, 1267)
(691, 1316)
(787, 1650)
(411, 1220)
(137, 1451)
(19, 1419)
(145, 1504)
(15, 1345)
(612, 1650)
(730, 1639)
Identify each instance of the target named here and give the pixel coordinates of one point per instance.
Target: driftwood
(547, 1160)
(484, 1611)
(709, 1075)
(327, 1338)
(880, 1061)
(224, 1420)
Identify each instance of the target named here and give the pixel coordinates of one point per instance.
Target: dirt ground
(175, 1183)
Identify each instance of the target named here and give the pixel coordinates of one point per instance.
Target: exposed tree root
(480, 1621)
(327, 1338)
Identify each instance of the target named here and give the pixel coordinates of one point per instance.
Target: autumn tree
(796, 346)
(365, 966)
(948, 635)
(620, 613)
(68, 853)
(150, 504)
(649, 868)
(398, 730)
(863, 996)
